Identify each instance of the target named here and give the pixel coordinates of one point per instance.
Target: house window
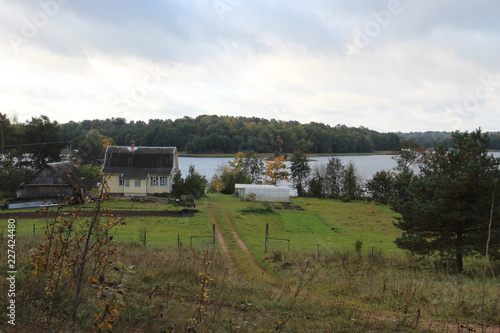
(124, 182)
(163, 181)
(159, 181)
(137, 183)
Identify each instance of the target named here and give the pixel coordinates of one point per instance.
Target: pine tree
(300, 171)
(445, 209)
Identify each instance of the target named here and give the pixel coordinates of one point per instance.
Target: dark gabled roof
(60, 173)
(139, 162)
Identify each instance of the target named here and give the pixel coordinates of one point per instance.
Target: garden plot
(304, 223)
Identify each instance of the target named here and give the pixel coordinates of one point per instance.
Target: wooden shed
(61, 180)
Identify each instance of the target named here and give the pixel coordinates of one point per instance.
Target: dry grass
(339, 291)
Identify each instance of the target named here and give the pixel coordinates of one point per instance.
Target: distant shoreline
(267, 155)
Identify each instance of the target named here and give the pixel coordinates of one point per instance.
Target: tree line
(432, 139)
(229, 134)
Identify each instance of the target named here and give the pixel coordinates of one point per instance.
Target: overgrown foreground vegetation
(353, 288)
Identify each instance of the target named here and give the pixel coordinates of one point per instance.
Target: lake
(366, 165)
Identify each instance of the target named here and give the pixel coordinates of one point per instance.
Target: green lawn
(327, 224)
(161, 232)
(304, 223)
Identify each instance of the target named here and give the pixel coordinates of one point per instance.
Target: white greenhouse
(268, 193)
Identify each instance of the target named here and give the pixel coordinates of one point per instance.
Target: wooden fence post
(266, 247)
(267, 238)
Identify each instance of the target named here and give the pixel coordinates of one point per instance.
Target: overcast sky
(386, 65)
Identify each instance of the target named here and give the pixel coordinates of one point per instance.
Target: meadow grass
(303, 223)
(324, 224)
(332, 224)
(333, 288)
(338, 291)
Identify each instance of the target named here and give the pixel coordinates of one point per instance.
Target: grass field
(324, 284)
(331, 224)
(304, 223)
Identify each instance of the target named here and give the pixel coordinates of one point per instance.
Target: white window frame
(137, 183)
(159, 181)
(124, 182)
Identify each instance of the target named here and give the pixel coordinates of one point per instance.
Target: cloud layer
(387, 65)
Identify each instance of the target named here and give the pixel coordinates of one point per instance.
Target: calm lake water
(366, 165)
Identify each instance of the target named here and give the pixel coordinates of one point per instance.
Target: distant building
(140, 171)
(53, 184)
(269, 193)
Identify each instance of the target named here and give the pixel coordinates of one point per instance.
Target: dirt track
(121, 213)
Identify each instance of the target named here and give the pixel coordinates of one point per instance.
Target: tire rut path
(438, 327)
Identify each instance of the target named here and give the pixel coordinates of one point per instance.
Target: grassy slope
(333, 290)
(332, 224)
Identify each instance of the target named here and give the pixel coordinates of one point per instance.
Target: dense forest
(431, 139)
(208, 134)
(228, 134)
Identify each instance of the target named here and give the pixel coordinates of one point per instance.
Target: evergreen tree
(316, 182)
(381, 186)
(177, 184)
(334, 178)
(445, 209)
(300, 171)
(194, 184)
(351, 183)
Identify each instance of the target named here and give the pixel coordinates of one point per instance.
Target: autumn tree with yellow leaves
(276, 171)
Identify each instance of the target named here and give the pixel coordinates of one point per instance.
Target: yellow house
(140, 171)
